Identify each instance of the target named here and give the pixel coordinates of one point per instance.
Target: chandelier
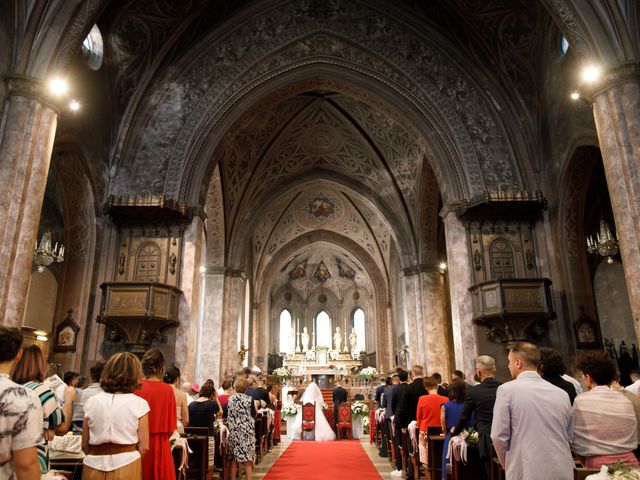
(605, 244)
(44, 255)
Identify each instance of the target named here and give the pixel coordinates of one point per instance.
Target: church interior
(320, 185)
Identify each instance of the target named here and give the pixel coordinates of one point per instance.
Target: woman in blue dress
(450, 414)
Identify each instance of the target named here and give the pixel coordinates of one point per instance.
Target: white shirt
(83, 397)
(633, 388)
(113, 418)
(20, 420)
(573, 381)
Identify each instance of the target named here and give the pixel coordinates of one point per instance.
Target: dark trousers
(384, 430)
(398, 442)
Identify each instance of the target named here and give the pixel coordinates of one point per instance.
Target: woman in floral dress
(242, 430)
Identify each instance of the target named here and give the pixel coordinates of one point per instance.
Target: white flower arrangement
(368, 373)
(471, 437)
(281, 374)
(359, 409)
(325, 406)
(290, 410)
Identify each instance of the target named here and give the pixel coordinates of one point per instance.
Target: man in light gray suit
(532, 422)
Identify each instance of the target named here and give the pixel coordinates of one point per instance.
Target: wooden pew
(435, 443)
(199, 466)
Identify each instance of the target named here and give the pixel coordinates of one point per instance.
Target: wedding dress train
(323, 432)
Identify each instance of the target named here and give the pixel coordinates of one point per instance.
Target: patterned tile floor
(381, 464)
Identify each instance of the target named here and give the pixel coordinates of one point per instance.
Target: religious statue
(337, 340)
(353, 340)
(242, 353)
(305, 340)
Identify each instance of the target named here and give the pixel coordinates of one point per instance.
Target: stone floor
(260, 470)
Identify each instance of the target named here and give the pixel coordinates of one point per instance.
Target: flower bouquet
(325, 406)
(471, 437)
(622, 471)
(290, 410)
(367, 373)
(359, 409)
(281, 374)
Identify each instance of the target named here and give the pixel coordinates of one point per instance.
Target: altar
(322, 366)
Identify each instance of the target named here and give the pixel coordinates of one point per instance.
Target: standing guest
(273, 400)
(635, 379)
(84, 395)
(552, 368)
(224, 397)
(261, 393)
(186, 388)
(576, 384)
(450, 416)
(202, 412)
(158, 463)
(634, 399)
(172, 377)
(20, 415)
(428, 414)
(442, 388)
(241, 423)
(115, 431)
(385, 382)
(387, 398)
(479, 402)
(30, 371)
(398, 426)
(532, 422)
(605, 426)
(459, 375)
(408, 401)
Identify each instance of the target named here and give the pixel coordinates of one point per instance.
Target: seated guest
(450, 415)
(115, 433)
(203, 412)
(605, 428)
(30, 371)
(172, 377)
(20, 415)
(158, 463)
(84, 395)
(551, 368)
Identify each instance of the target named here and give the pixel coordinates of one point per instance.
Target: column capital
(29, 87)
(616, 76)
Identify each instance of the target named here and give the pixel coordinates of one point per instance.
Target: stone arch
(483, 149)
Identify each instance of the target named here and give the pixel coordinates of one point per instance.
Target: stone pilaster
(459, 267)
(616, 108)
(190, 301)
(232, 317)
(413, 316)
(27, 132)
(434, 331)
(208, 345)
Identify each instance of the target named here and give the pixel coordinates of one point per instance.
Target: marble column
(434, 330)
(28, 129)
(616, 108)
(459, 267)
(389, 362)
(208, 344)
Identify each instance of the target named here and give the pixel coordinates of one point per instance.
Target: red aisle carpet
(306, 460)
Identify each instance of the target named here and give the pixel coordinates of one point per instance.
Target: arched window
(359, 325)
(323, 330)
(564, 45)
(285, 332)
(93, 48)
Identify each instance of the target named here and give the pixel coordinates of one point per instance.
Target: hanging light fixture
(605, 244)
(44, 255)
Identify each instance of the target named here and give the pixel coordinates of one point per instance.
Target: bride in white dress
(324, 432)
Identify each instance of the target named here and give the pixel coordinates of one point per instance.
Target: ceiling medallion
(321, 207)
(321, 140)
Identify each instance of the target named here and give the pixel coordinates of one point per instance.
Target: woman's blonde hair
(121, 373)
(241, 385)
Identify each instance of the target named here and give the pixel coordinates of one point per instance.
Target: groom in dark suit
(339, 396)
(480, 399)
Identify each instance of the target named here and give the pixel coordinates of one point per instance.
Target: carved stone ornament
(66, 334)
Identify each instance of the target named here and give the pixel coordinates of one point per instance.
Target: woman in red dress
(158, 463)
